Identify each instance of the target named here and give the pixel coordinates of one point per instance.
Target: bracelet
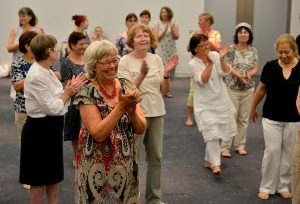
(166, 77)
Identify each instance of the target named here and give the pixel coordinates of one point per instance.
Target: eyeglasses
(203, 45)
(107, 63)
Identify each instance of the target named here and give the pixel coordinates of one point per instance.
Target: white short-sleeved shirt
(129, 67)
(42, 90)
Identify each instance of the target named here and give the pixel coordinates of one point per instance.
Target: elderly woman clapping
(107, 169)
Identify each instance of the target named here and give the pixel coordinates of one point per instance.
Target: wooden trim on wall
(245, 11)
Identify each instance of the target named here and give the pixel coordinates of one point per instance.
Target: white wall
(224, 13)
(55, 17)
(295, 18)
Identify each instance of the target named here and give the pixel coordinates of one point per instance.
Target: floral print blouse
(107, 171)
(19, 70)
(241, 61)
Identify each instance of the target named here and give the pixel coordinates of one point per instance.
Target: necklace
(104, 91)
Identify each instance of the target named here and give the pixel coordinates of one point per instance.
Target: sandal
(169, 95)
(189, 122)
(285, 194)
(216, 170)
(242, 152)
(263, 195)
(226, 153)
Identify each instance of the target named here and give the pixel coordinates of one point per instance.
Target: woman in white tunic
(213, 109)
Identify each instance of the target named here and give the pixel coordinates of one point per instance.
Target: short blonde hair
(40, 46)
(144, 28)
(208, 16)
(288, 39)
(94, 52)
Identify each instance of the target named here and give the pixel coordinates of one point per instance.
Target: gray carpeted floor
(184, 179)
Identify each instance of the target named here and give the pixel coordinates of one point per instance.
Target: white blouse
(42, 90)
(212, 106)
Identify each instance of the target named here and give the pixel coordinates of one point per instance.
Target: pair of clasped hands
(129, 100)
(246, 78)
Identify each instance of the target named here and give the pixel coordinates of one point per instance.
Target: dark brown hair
(145, 13)
(235, 37)
(131, 15)
(25, 39)
(169, 11)
(195, 40)
(28, 11)
(74, 38)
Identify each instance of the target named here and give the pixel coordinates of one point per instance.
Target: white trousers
(213, 152)
(279, 139)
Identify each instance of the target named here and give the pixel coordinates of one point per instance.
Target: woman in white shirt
(41, 164)
(213, 109)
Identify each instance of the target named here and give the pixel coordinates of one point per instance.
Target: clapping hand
(171, 63)
(74, 85)
(138, 98)
(129, 100)
(166, 28)
(144, 68)
(223, 51)
(173, 27)
(207, 60)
